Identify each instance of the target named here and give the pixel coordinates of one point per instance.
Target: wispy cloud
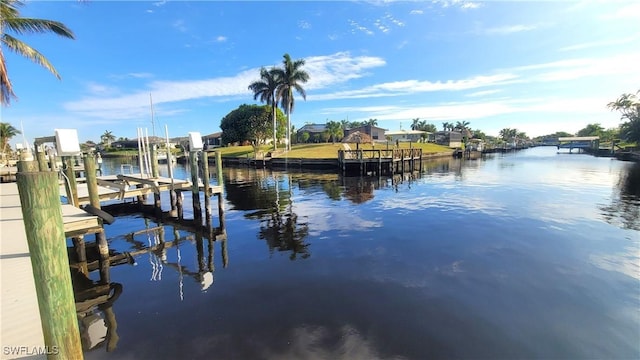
(630, 11)
(221, 38)
(179, 25)
(484, 93)
(602, 43)
(570, 69)
(462, 4)
(325, 71)
(357, 27)
(416, 12)
(397, 88)
(505, 30)
(305, 25)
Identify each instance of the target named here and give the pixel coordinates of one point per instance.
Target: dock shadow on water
(523, 255)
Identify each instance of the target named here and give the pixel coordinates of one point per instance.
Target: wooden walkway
(19, 314)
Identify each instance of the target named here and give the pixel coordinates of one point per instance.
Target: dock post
(40, 201)
(72, 187)
(221, 184)
(42, 161)
(205, 182)
(225, 253)
(154, 161)
(94, 200)
(172, 192)
(379, 162)
(179, 205)
(195, 188)
(52, 162)
(157, 203)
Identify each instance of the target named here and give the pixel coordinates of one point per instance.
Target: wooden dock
(120, 187)
(390, 161)
(20, 317)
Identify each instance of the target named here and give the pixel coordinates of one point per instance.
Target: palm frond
(21, 26)
(6, 89)
(30, 53)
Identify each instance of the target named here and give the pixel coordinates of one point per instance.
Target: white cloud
(581, 67)
(601, 43)
(393, 20)
(221, 38)
(504, 30)
(418, 86)
(630, 11)
(302, 24)
(357, 27)
(416, 12)
(484, 93)
(325, 71)
(179, 25)
(462, 4)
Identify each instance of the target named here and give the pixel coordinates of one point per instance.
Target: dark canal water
(531, 254)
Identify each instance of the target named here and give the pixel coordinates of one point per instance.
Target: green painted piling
(42, 214)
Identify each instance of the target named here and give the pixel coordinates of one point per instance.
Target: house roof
(406, 132)
(213, 135)
(314, 128)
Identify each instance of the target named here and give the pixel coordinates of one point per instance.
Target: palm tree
(462, 125)
(335, 130)
(446, 125)
(10, 19)
(107, 138)
(415, 124)
(7, 131)
(265, 89)
(290, 78)
(372, 122)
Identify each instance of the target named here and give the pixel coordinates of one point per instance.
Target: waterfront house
(212, 140)
(406, 135)
(376, 133)
(452, 139)
(315, 131)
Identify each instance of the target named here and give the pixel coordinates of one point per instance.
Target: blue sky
(540, 67)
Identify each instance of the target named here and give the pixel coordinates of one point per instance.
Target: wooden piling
(94, 200)
(72, 187)
(42, 215)
(195, 188)
(53, 165)
(40, 156)
(221, 184)
(179, 205)
(157, 203)
(205, 182)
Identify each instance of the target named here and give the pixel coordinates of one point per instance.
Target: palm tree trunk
(289, 125)
(275, 131)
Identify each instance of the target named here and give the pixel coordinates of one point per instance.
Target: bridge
(582, 143)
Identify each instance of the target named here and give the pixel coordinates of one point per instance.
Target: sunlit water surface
(531, 254)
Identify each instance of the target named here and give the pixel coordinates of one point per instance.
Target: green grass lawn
(304, 151)
(324, 150)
